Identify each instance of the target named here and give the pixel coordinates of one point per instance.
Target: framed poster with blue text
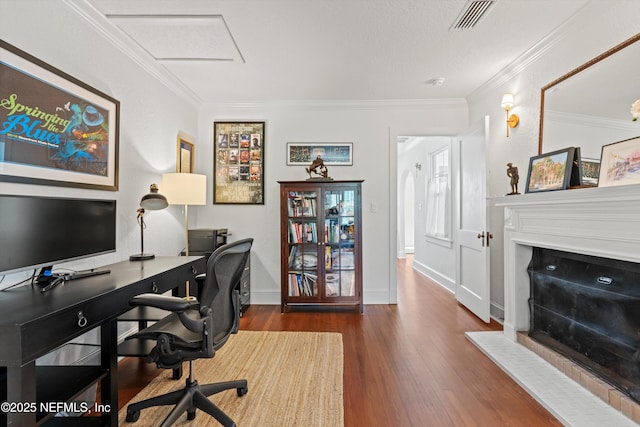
(238, 163)
(54, 129)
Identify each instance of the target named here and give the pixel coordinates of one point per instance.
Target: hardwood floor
(405, 365)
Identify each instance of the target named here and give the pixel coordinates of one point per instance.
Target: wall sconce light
(418, 167)
(507, 103)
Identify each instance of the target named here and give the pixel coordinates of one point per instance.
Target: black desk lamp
(153, 201)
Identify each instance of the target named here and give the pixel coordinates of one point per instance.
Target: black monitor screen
(39, 231)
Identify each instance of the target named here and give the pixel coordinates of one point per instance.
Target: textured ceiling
(180, 38)
(258, 50)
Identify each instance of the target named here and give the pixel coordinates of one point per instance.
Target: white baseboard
(442, 280)
(497, 312)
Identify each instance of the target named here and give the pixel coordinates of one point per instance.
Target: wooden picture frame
(184, 156)
(56, 130)
(620, 163)
(333, 154)
(557, 170)
(238, 162)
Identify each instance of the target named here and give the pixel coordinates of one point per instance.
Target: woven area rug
(294, 379)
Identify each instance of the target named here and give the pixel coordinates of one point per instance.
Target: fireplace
(587, 309)
(596, 222)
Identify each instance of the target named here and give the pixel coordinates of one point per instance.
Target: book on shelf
(303, 284)
(327, 257)
(302, 232)
(332, 232)
(302, 204)
(292, 255)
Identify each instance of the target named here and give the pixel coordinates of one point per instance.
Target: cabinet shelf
(321, 243)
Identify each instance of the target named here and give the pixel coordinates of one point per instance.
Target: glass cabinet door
(339, 238)
(303, 244)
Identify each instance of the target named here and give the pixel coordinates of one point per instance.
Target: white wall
(597, 27)
(373, 127)
(150, 118)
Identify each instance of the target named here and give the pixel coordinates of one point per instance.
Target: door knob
(481, 236)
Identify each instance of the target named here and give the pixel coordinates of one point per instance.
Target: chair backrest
(224, 270)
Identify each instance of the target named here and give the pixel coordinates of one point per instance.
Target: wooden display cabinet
(321, 243)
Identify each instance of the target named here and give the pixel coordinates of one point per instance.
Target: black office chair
(195, 330)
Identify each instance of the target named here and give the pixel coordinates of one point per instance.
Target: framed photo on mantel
(557, 170)
(238, 163)
(620, 163)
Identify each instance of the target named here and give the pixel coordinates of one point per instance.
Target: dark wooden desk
(33, 323)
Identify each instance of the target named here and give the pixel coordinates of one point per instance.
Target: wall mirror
(589, 106)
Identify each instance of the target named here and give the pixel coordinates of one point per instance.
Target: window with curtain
(439, 196)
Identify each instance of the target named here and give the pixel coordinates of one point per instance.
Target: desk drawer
(40, 336)
(70, 323)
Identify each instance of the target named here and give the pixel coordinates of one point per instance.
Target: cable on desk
(21, 282)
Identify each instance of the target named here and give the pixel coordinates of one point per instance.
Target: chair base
(192, 397)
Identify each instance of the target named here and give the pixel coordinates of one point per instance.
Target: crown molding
(530, 56)
(386, 104)
(124, 44)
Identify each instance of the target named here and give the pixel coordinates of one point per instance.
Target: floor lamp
(185, 189)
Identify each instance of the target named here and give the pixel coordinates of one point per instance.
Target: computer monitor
(42, 231)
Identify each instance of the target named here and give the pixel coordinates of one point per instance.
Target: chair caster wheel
(132, 417)
(242, 391)
(191, 415)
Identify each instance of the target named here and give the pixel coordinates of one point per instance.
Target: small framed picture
(590, 171)
(333, 154)
(554, 171)
(184, 160)
(620, 163)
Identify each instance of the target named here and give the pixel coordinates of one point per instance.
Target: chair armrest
(164, 302)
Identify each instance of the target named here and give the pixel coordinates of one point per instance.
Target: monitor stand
(46, 276)
(86, 273)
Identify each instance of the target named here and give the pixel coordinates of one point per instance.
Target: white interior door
(473, 242)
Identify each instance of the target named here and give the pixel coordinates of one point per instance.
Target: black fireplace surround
(588, 309)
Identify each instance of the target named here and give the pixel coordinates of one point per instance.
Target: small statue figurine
(318, 167)
(512, 172)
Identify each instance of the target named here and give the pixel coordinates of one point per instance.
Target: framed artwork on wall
(54, 129)
(238, 162)
(185, 156)
(554, 171)
(620, 163)
(333, 154)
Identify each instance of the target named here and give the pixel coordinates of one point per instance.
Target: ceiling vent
(472, 13)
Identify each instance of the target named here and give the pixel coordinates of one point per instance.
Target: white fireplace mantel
(603, 222)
